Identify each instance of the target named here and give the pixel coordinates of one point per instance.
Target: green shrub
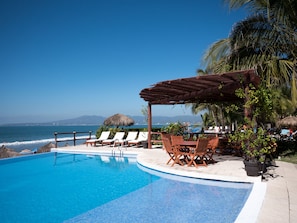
(255, 144)
(174, 128)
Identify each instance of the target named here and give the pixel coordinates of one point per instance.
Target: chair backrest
(167, 145)
(213, 143)
(142, 136)
(104, 135)
(119, 135)
(201, 145)
(176, 140)
(131, 135)
(166, 135)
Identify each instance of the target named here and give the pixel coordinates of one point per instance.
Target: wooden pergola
(209, 88)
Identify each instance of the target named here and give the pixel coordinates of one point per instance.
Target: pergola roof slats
(212, 88)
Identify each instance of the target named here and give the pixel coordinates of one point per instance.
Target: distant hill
(98, 120)
(82, 120)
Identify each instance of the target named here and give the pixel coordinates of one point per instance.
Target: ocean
(34, 137)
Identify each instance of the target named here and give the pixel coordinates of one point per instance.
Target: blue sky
(66, 58)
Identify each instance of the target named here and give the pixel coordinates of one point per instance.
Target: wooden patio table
(184, 147)
(191, 144)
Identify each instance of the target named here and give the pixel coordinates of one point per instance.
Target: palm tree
(144, 111)
(266, 41)
(206, 120)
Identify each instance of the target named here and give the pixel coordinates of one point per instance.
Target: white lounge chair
(118, 136)
(131, 136)
(142, 137)
(104, 136)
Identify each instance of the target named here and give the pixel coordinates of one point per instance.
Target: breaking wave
(18, 143)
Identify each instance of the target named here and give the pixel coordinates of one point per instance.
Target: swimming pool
(84, 188)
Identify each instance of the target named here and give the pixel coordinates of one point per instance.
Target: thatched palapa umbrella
(119, 120)
(289, 121)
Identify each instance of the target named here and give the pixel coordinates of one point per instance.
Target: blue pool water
(82, 188)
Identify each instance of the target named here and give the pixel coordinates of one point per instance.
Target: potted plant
(255, 144)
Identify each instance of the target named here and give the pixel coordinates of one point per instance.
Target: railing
(156, 138)
(74, 138)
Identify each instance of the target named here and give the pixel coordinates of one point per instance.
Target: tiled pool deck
(280, 181)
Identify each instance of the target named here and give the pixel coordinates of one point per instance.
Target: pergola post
(149, 124)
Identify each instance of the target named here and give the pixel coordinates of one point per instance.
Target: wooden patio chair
(181, 151)
(198, 155)
(213, 144)
(169, 149)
